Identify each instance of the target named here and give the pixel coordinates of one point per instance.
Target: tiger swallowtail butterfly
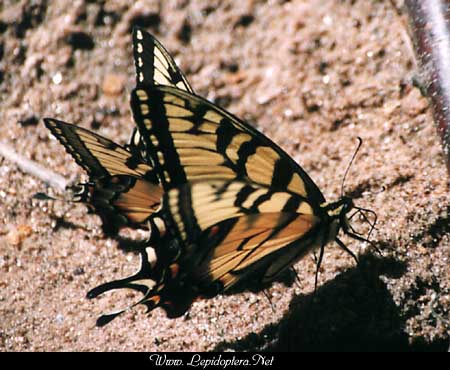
(235, 205)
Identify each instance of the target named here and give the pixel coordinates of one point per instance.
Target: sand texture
(311, 75)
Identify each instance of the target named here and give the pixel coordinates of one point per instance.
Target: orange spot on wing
(214, 230)
(174, 269)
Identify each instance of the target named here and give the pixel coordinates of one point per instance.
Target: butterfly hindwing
(230, 229)
(97, 155)
(159, 281)
(251, 246)
(227, 231)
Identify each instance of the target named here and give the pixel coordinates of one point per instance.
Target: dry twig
(430, 25)
(33, 168)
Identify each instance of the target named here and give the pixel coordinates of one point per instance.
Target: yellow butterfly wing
(154, 66)
(190, 139)
(121, 188)
(230, 229)
(223, 238)
(251, 245)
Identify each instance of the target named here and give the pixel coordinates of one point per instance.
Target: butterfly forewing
(119, 186)
(97, 155)
(154, 66)
(190, 139)
(123, 187)
(251, 244)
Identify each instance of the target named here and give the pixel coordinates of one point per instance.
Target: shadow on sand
(353, 312)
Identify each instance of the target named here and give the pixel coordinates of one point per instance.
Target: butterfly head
(346, 206)
(338, 210)
(341, 213)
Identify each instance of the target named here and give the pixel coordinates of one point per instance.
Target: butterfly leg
(266, 294)
(358, 237)
(344, 247)
(318, 263)
(297, 279)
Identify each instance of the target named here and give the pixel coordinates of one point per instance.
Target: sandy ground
(312, 75)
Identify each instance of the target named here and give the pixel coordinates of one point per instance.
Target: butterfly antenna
(360, 141)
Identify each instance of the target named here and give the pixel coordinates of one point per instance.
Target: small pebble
(59, 318)
(16, 236)
(113, 84)
(57, 78)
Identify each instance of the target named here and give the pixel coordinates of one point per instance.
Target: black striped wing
(190, 139)
(234, 203)
(122, 189)
(231, 229)
(227, 231)
(154, 66)
(97, 155)
(154, 280)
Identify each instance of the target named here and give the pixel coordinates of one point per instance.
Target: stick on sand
(32, 168)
